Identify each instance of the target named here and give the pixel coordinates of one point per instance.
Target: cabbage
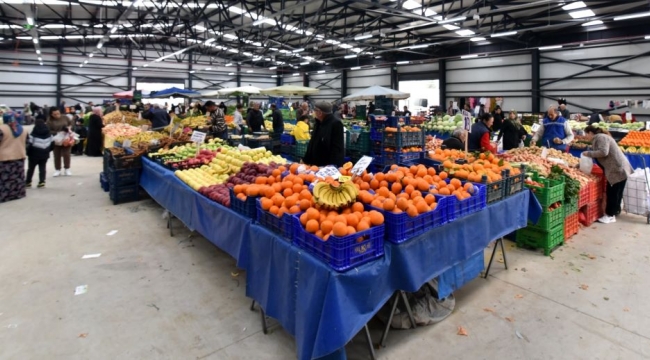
(446, 117)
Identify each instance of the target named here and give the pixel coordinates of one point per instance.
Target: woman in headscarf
(95, 124)
(512, 132)
(13, 142)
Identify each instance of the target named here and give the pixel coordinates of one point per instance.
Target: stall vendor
(562, 109)
(555, 131)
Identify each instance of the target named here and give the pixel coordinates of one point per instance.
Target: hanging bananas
(334, 197)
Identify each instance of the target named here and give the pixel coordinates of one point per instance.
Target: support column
(278, 79)
(305, 82)
(59, 70)
(238, 76)
(190, 66)
(129, 70)
(442, 83)
(393, 78)
(344, 83)
(535, 83)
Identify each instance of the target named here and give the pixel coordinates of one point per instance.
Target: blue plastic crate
(389, 158)
(401, 227)
(341, 253)
(401, 139)
(103, 181)
(124, 194)
(282, 226)
(246, 208)
(459, 275)
(476, 202)
(119, 178)
(287, 139)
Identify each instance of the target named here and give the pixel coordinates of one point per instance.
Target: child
(80, 129)
(301, 131)
(39, 145)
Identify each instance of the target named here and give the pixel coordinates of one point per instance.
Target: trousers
(62, 152)
(31, 167)
(614, 197)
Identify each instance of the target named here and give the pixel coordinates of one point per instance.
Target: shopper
(238, 119)
(371, 108)
(326, 145)
(301, 130)
(407, 112)
(450, 109)
(278, 121)
(479, 138)
(554, 132)
(218, 127)
(60, 123)
(12, 159)
(79, 129)
(615, 165)
(255, 118)
(39, 146)
(512, 132)
(481, 111)
(562, 109)
(159, 117)
(456, 141)
(302, 110)
(62, 108)
(223, 107)
(498, 119)
(27, 115)
(94, 143)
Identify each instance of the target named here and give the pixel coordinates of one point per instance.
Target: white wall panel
(361, 79)
(416, 68)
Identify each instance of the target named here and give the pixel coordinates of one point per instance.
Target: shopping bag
(500, 146)
(636, 196)
(586, 164)
(59, 138)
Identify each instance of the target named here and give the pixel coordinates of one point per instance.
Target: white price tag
(467, 121)
(361, 165)
(328, 171)
(132, 107)
(123, 118)
(647, 125)
(126, 143)
(535, 127)
(544, 153)
(198, 137)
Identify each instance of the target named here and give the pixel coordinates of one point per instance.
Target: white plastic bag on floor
(586, 164)
(636, 196)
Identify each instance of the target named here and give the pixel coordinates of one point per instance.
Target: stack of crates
(287, 145)
(123, 178)
(572, 218)
(300, 149)
(357, 144)
(591, 197)
(401, 146)
(548, 233)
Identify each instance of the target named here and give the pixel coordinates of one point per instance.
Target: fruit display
(141, 137)
(440, 155)
(445, 124)
(628, 126)
(332, 195)
(253, 173)
(569, 159)
(578, 125)
(636, 142)
(194, 121)
(405, 128)
(117, 130)
(543, 167)
(474, 167)
(432, 143)
(218, 193)
(199, 178)
(119, 117)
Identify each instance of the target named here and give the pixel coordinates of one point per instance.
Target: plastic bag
(636, 196)
(586, 164)
(500, 146)
(59, 138)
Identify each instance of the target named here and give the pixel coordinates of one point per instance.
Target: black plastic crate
(257, 143)
(300, 149)
(103, 181)
(119, 178)
(495, 191)
(125, 194)
(515, 184)
(399, 139)
(358, 141)
(121, 162)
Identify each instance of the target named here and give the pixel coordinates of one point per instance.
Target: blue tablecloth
(323, 308)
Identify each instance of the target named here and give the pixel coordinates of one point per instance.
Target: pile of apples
(218, 193)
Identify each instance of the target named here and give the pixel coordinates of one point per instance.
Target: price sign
(361, 165)
(544, 153)
(126, 143)
(467, 121)
(198, 137)
(647, 125)
(123, 118)
(535, 127)
(328, 171)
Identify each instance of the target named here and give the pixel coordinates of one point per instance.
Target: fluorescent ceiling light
(626, 17)
(37, 51)
(57, 26)
(231, 73)
(411, 4)
(234, 51)
(236, 10)
(85, 61)
(209, 41)
(274, 76)
(345, 46)
(333, 42)
(356, 50)
(298, 50)
(207, 69)
(452, 20)
(135, 68)
(296, 74)
(321, 71)
(430, 12)
(356, 68)
(145, 65)
(50, 37)
(35, 40)
(574, 5)
(468, 56)
(70, 37)
(192, 72)
(249, 71)
(352, 56)
(451, 27)
(30, 20)
(320, 61)
(94, 36)
(361, 37)
(478, 38)
(420, 46)
(465, 32)
(582, 14)
(40, 58)
(41, 64)
(304, 63)
(23, 37)
(402, 62)
(114, 29)
(81, 65)
(273, 67)
(246, 53)
(592, 23)
(507, 33)
(647, 37)
(273, 49)
(229, 64)
(551, 47)
(230, 36)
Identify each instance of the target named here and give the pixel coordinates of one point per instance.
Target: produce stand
(306, 296)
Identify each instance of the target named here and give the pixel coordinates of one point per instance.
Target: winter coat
(326, 146)
(40, 143)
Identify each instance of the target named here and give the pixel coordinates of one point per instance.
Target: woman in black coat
(512, 132)
(94, 143)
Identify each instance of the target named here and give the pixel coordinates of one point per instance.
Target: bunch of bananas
(194, 121)
(143, 137)
(332, 196)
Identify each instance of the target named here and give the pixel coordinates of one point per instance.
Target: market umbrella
(124, 95)
(373, 91)
(175, 92)
(240, 90)
(289, 90)
(210, 93)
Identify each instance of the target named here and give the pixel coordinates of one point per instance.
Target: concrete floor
(151, 296)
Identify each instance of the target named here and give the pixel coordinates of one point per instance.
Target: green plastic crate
(550, 219)
(570, 207)
(361, 144)
(300, 149)
(531, 237)
(552, 192)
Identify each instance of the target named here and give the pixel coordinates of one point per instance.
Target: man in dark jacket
(39, 145)
(456, 141)
(326, 144)
(255, 118)
(278, 121)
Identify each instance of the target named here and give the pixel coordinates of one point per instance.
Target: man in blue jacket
(555, 131)
(159, 118)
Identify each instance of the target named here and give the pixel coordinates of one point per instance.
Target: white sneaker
(57, 173)
(68, 172)
(607, 219)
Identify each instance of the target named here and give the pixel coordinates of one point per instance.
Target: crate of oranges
(343, 239)
(470, 197)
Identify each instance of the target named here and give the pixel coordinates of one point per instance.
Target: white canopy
(210, 93)
(242, 89)
(371, 92)
(289, 90)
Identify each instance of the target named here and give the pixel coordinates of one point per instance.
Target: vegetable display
(120, 130)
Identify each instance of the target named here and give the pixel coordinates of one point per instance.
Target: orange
(287, 192)
(455, 183)
(304, 204)
(443, 175)
(402, 203)
(340, 229)
(266, 203)
(357, 207)
(429, 199)
(313, 214)
(409, 189)
(326, 226)
(312, 226)
(341, 219)
(422, 207)
(269, 192)
(469, 188)
(253, 190)
(278, 200)
(363, 225)
(444, 191)
(303, 219)
(374, 184)
(351, 230)
(423, 185)
(376, 218)
(389, 205)
(241, 197)
(412, 211)
(294, 209)
(415, 194)
(379, 177)
(396, 188)
(261, 180)
(274, 210)
(238, 189)
(296, 188)
(290, 201)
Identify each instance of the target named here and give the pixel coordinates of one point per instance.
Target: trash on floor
(112, 232)
(91, 256)
(81, 289)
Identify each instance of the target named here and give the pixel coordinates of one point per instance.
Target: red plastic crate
(571, 225)
(591, 212)
(584, 195)
(601, 186)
